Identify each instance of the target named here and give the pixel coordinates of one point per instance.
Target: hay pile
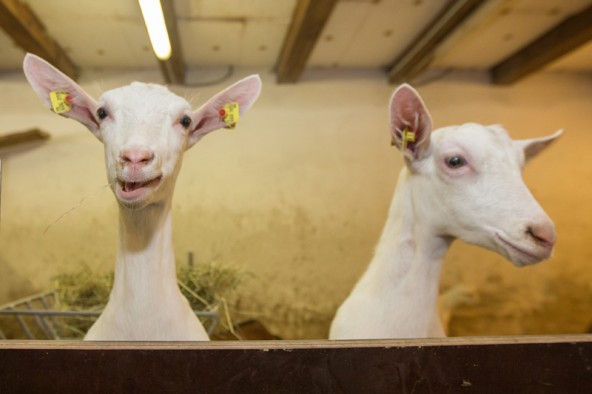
(206, 286)
(82, 290)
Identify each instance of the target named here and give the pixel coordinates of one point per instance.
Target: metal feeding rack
(35, 317)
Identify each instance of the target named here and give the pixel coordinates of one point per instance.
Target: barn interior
(297, 195)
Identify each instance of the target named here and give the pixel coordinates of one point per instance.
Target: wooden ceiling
(511, 39)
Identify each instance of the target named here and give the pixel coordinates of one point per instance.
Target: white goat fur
(145, 131)
(479, 198)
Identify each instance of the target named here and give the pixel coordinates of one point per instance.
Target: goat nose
(136, 156)
(543, 233)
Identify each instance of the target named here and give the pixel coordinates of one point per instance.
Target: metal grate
(34, 317)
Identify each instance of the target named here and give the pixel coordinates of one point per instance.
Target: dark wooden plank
(479, 365)
(172, 69)
(308, 20)
(23, 26)
(570, 34)
(419, 53)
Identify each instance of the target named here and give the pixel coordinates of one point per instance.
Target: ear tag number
(60, 102)
(230, 115)
(408, 136)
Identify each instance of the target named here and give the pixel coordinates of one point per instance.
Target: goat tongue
(131, 186)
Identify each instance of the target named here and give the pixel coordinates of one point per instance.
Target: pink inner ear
(207, 118)
(45, 78)
(408, 112)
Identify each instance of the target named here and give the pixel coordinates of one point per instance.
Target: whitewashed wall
(298, 194)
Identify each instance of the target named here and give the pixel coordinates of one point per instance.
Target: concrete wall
(298, 194)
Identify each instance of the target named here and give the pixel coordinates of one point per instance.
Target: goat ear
(45, 78)
(410, 122)
(533, 147)
(207, 118)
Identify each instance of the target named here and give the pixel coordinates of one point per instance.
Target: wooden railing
(525, 364)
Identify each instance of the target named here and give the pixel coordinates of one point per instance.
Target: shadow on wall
(14, 285)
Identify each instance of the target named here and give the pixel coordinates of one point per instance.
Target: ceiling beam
(27, 31)
(573, 32)
(308, 21)
(420, 52)
(173, 69)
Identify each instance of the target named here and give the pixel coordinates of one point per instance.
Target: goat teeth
(131, 186)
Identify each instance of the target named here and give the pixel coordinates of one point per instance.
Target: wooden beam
(550, 364)
(418, 55)
(172, 69)
(27, 31)
(573, 32)
(308, 21)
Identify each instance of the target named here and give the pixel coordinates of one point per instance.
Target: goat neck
(402, 278)
(145, 260)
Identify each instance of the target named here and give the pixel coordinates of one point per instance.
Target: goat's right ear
(410, 122)
(45, 79)
(207, 117)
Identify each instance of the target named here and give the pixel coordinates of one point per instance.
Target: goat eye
(455, 161)
(186, 121)
(102, 113)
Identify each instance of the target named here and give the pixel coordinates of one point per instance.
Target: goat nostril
(136, 157)
(542, 235)
(147, 159)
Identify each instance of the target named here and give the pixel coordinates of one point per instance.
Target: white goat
(145, 129)
(458, 182)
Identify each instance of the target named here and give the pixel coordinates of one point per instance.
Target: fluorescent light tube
(157, 31)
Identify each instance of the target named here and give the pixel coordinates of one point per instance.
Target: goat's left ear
(207, 118)
(410, 123)
(46, 79)
(534, 146)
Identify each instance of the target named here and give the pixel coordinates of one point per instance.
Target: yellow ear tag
(408, 136)
(230, 115)
(60, 102)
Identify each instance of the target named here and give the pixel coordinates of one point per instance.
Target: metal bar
(41, 312)
(215, 316)
(23, 300)
(51, 328)
(53, 324)
(24, 327)
(50, 333)
(40, 322)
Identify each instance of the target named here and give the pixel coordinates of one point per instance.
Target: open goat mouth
(132, 186)
(131, 190)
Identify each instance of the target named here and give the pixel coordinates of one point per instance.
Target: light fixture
(157, 31)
